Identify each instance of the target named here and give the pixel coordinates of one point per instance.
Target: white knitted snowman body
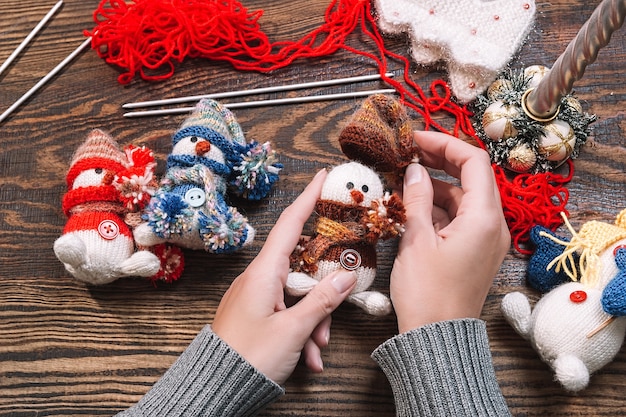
(569, 326)
(352, 201)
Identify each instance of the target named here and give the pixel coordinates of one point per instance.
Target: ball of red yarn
(149, 36)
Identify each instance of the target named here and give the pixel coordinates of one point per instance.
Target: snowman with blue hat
(210, 158)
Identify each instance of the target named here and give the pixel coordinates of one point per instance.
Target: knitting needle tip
(30, 36)
(45, 79)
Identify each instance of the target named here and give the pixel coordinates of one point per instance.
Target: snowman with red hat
(105, 185)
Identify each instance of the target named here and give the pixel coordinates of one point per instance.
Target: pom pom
(172, 263)
(257, 171)
(386, 217)
(136, 184)
(168, 214)
(223, 233)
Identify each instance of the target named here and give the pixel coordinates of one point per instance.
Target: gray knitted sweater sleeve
(209, 379)
(442, 369)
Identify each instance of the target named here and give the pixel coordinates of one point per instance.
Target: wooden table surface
(70, 349)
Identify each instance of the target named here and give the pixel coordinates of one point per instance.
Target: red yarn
(532, 199)
(149, 36)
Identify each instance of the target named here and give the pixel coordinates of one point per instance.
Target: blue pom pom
(168, 214)
(256, 172)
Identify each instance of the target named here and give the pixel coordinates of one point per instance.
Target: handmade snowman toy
(355, 211)
(105, 184)
(209, 157)
(578, 325)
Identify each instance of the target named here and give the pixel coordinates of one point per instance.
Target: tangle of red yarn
(148, 37)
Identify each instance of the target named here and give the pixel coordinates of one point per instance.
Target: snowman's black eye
(350, 185)
(193, 139)
(99, 170)
(365, 188)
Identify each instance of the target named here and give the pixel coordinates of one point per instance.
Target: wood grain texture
(68, 349)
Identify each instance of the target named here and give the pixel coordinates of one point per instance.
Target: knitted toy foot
(299, 284)
(571, 372)
(373, 302)
(209, 158)
(104, 185)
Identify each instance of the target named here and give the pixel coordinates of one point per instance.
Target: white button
(108, 229)
(195, 197)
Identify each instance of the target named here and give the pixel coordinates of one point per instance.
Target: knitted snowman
(578, 326)
(354, 213)
(104, 185)
(209, 157)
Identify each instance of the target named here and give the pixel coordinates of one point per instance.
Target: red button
(108, 229)
(578, 296)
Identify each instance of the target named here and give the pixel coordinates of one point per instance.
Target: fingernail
(343, 280)
(320, 172)
(327, 335)
(413, 174)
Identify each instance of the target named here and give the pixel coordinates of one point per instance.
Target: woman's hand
(455, 239)
(252, 316)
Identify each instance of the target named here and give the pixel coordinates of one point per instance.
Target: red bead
(496, 17)
(526, 6)
(618, 248)
(578, 296)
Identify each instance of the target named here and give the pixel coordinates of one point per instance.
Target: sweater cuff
(442, 369)
(209, 379)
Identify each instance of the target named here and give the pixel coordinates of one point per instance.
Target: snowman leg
(299, 284)
(571, 372)
(516, 310)
(70, 250)
(144, 236)
(373, 302)
(141, 264)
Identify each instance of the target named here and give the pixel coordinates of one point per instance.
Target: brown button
(350, 259)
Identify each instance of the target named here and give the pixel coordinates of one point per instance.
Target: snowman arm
(614, 294)
(541, 275)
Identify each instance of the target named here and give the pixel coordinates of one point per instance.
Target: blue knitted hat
(249, 168)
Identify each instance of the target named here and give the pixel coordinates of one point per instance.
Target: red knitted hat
(98, 151)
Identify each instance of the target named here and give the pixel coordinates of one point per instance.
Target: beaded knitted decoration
(149, 37)
(209, 158)
(579, 324)
(474, 38)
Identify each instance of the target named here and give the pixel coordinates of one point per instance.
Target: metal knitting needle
(30, 36)
(263, 90)
(45, 79)
(259, 103)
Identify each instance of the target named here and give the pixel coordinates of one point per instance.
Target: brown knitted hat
(380, 135)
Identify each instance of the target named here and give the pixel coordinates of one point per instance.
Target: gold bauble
(498, 87)
(497, 120)
(558, 141)
(521, 159)
(535, 73)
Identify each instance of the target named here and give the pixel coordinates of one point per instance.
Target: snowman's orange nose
(203, 147)
(357, 196)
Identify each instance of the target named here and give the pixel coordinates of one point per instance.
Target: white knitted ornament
(578, 327)
(475, 38)
(355, 212)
